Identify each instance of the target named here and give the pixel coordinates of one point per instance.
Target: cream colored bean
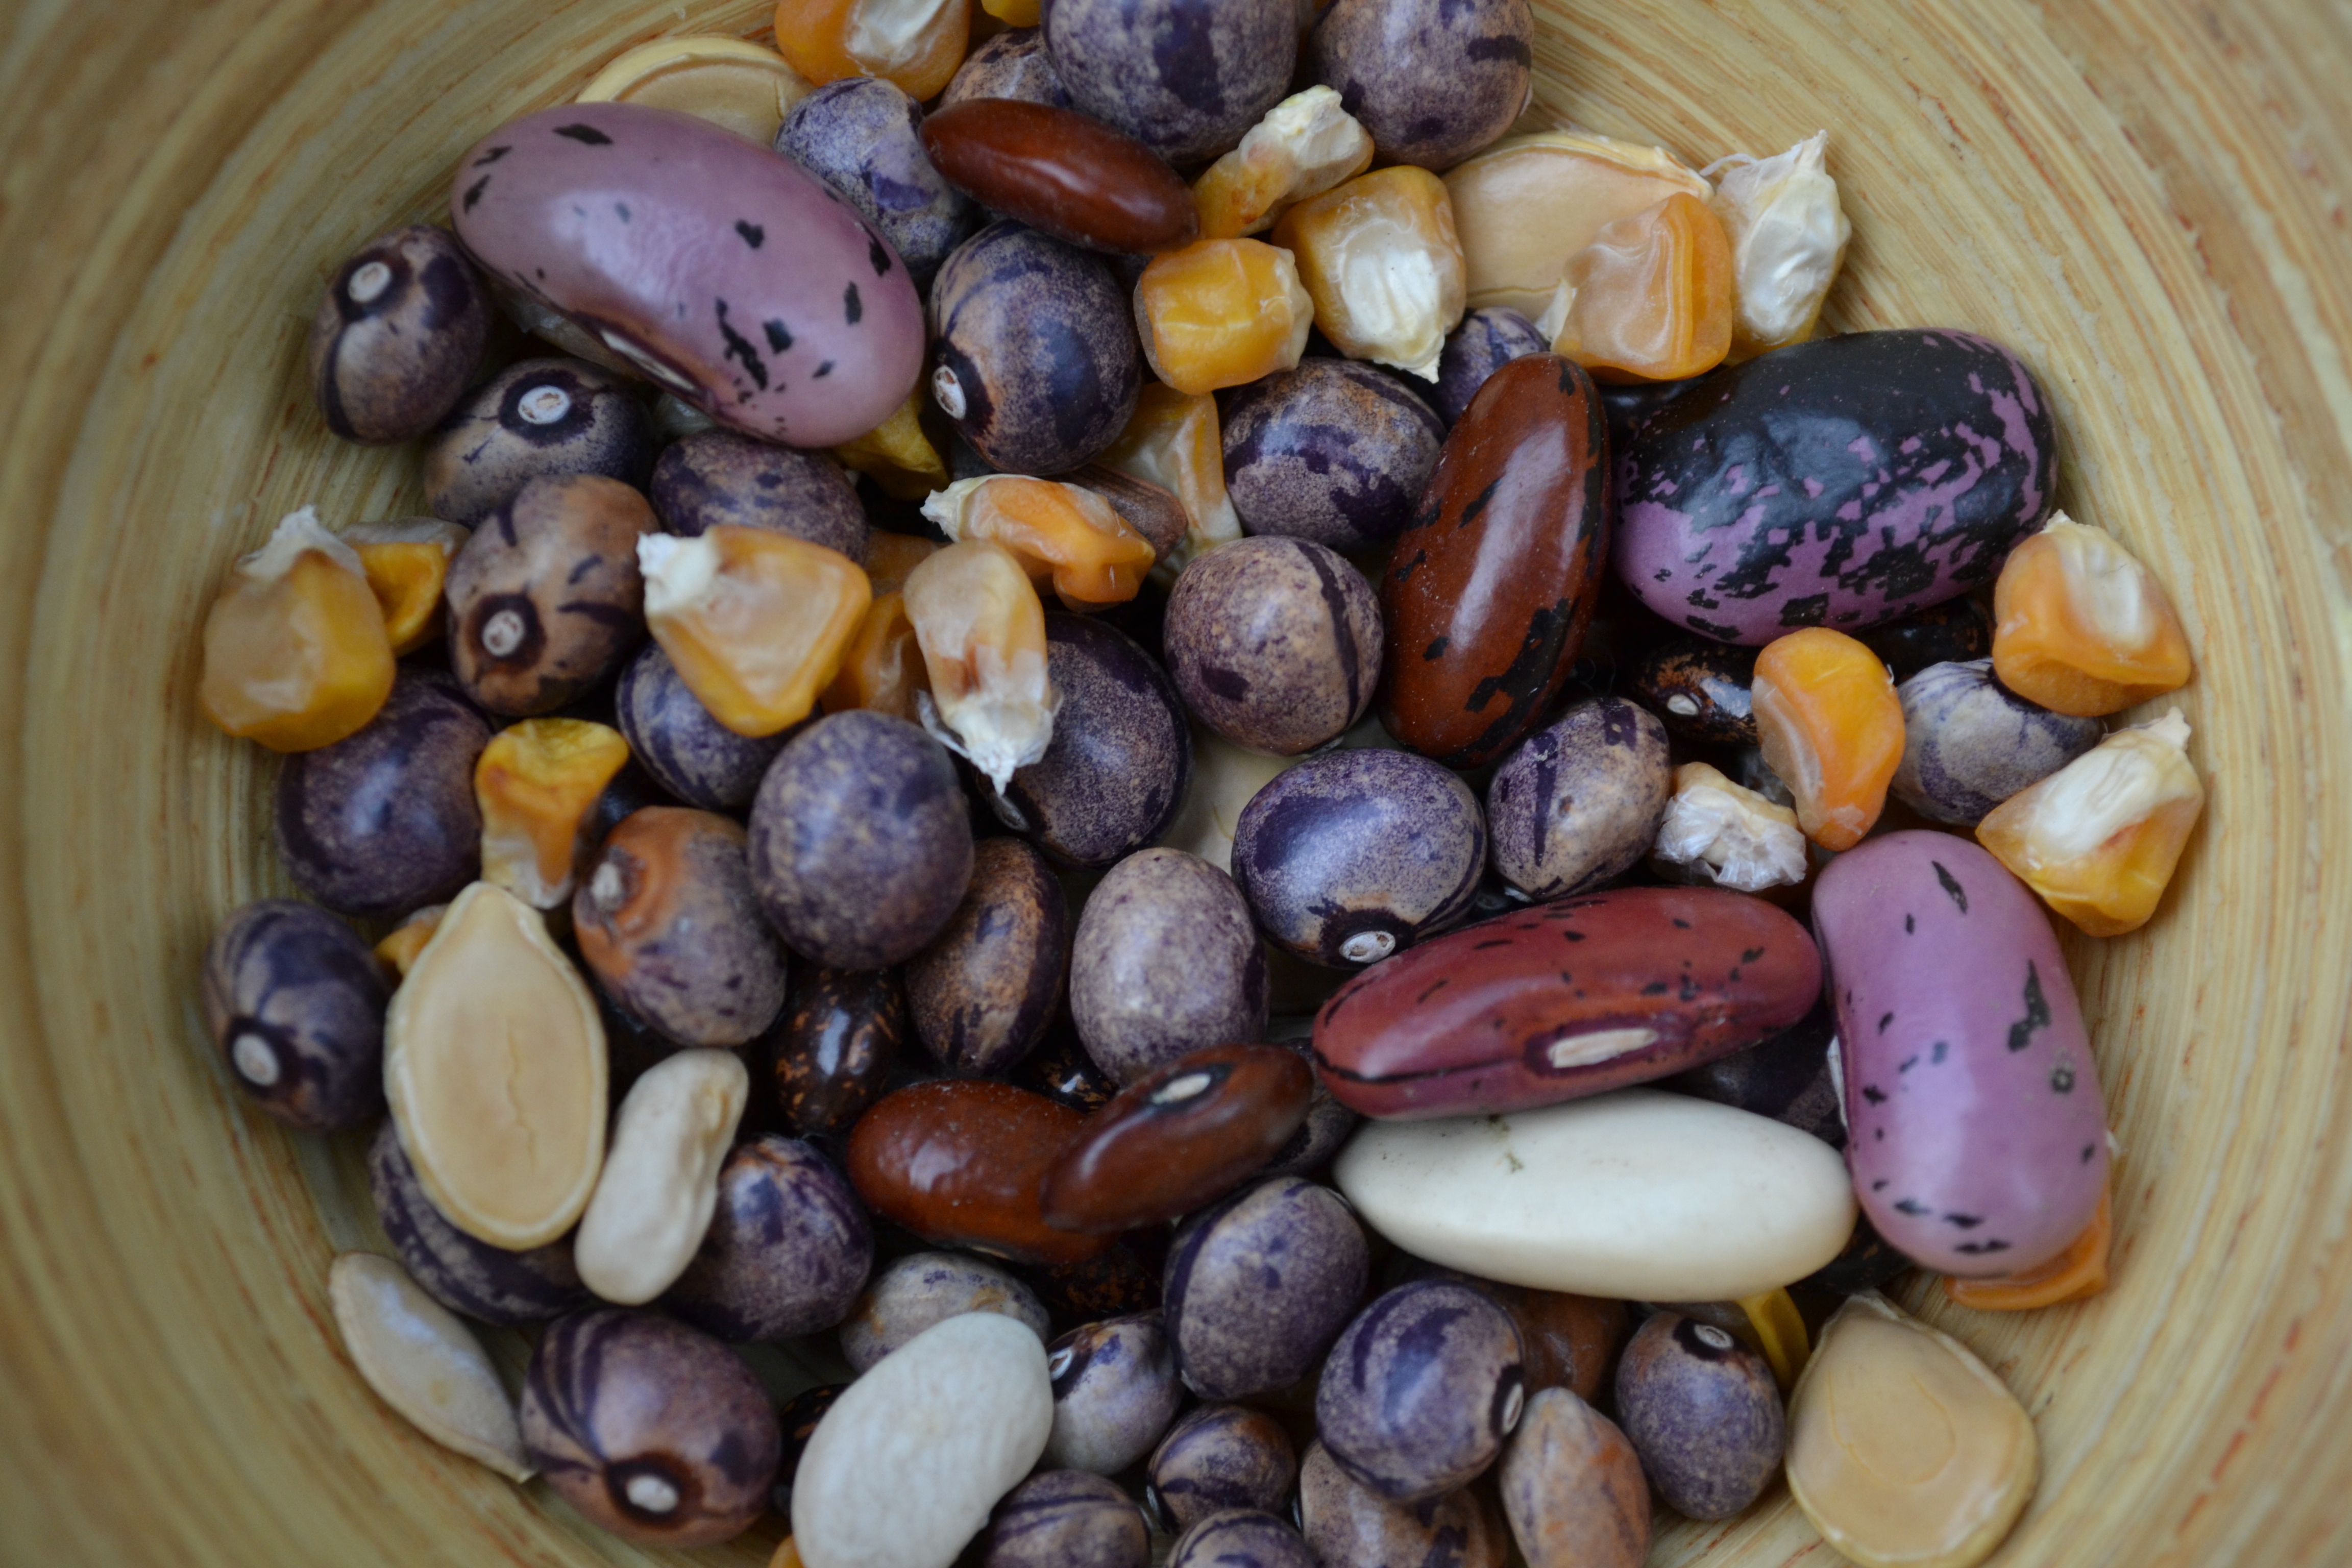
(660, 1184)
(425, 1362)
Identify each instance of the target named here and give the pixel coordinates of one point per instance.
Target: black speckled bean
(837, 1046)
(1951, 633)
(1166, 961)
(1485, 342)
(984, 990)
(1113, 778)
(1061, 1070)
(689, 752)
(1433, 81)
(1115, 1391)
(1703, 1414)
(542, 416)
(1698, 690)
(1242, 1325)
(1333, 451)
(1221, 1457)
(1067, 1518)
(295, 1002)
(862, 136)
(1350, 1525)
(1119, 1281)
(1421, 1390)
(1186, 77)
(1275, 644)
(397, 335)
(788, 1248)
(1579, 801)
(719, 477)
(464, 1275)
(1970, 742)
(1627, 407)
(1013, 64)
(911, 1293)
(798, 1416)
(385, 822)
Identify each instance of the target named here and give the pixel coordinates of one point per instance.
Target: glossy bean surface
(959, 1163)
(1062, 172)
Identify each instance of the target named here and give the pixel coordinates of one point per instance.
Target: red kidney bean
(1062, 172)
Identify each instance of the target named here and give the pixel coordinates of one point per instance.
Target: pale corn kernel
(1788, 239)
(1072, 536)
(537, 783)
(1221, 313)
(1305, 145)
(2099, 838)
(406, 562)
(1174, 441)
(897, 455)
(1380, 260)
(296, 654)
(983, 632)
(755, 621)
(2082, 627)
(1734, 837)
(883, 670)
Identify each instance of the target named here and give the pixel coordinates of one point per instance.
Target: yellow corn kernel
(917, 44)
(296, 656)
(728, 82)
(2082, 627)
(1305, 145)
(983, 632)
(897, 455)
(1380, 260)
(883, 666)
(1014, 13)
(890, 556)
(1780, 1333)
(1650, 299)
(1221, 313)
(536, 783)
(2078, 1272)
(406, 562)
(1174, 441)
(1830, 724)
(399, 951)
(1526, 205)
(755, 621)
(1072, 536)
(2098, 840)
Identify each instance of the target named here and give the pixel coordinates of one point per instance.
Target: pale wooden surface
(2145, 197)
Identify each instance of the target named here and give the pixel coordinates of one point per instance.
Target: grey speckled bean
(542, 417)
(1422, 1389)
(1013, 64)
(1122, 756)
(1703, 1414)
(1241, 1538)
(464, 1275)
(687, 752)
(862, 136)
(1273, 643)
(981, 994)
(911, 1293)
(1186, 78)
(1243, 1327)
(717, 477)
(1115, 1391)
(1580, 801)
(1333, 451)
(1485, 342)
(1219, 1457)
(1433, 81)
(1067, 1518)
(1166, 961)
(787, 1251)
(1348, 1525)
(1970, 742)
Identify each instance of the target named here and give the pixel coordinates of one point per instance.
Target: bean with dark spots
(1186, 78)
(295, 1004)
(1332, 450)
(541, 417)
(400, 332)
(833, 1053)
(1433, 81)
(546, 600)
(1273, 643)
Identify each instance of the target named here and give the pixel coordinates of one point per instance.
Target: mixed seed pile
(1394, 1023)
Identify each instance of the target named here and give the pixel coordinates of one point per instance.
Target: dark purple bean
(295, 1003)
(385, 822)
(984, 990)
(1243, 1327)
(1013, 64)
(691, 754)
(1421, 1390)
(1350, 1525)
(1868, 1263)
(1115, 1391)
(1221, 1457)
(1275, 643)
(1166, 961)
(1953, 632)
(1239, 1538)
(1333, 451)
(721, 478)
(1121, 755)
(1579, 801)
(1186, 77)
(1698, 690)
(397, 336)
(861, 841)
(1152, 510)
(1786, 1078)
(541, 417)
(1703, 1414)
(862, 136)
(482, 1281)
(1317, 1143)
(835, 1052)
(1116, 1282)
(546, 600)
(909, 1294)
(1433, 81)
(1485, 342)
(787, 1252)
(1067, 1518)
(1970, 742)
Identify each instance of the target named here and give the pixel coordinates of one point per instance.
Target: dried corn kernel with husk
(755, 621)
(728, 82)
(2098, 838)
(537, 782)
(2079, 1271)
(1380, 260)
(1526, 205)
(1732, 836)
(890, 556)
(1093, 557)
(400, 949)
(897, 455)
(1788, 238)
(917, 44)
(296, 656)
(406, 562)
(1304, 146)
(1650, 299)
(1174, 441)
(983, 632)
(1221, 313)
(1780, 1330)
(883, 666)
(2082, 627)
(1829, 723)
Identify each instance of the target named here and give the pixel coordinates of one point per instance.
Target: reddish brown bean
(959, 1163)
(1487, 595)
(1565, 1000)
(1179, 1137)
(1062, 172)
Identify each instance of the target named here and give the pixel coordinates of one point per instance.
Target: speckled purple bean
(1703, 1414)
(1421, 1390)
(1970, 742)
(1350, 1525)
(863, 137)
(1113, 778)
(1579, 801)
(482, 1281)
(295, 1003)
(687, 752)
(1067, 1518)
(1243, 1327)
(1013, 64)
(539, 418)
(1220, 1457)
(731, 276)
(1433, 81)
(397, 335)
(1115, 1391)
(1333, 451)
(1485, 342)
(1166, 961)
(720, 476)
(1843, 482)
(788, 1248)
(911, 1293)
(1273, 643)
(1241, 1538)
(1186, 77)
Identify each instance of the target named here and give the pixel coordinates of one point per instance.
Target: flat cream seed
(369, 283)
(544, 404)
(425, 1362)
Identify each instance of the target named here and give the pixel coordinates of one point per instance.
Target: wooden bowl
(2143, 197)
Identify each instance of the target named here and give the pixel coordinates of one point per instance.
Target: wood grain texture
(2145, 197)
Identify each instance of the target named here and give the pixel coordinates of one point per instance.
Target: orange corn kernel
(537, 782)
(1093, 556)
(983, 632)
(2098, 840)
(890, 556)
(2082, 627)
(916, 44)
(1380, 260)
(1650, 299)
(1305, 145)
(1832, 727)
(1174, 441)
(2079, 1271)
(1221, 313)
(756, 621)
(406, 562)
(897, 455)
(399, 951)
(1780, 1330)
(1015, 13)
(296, 656)
(883, 666)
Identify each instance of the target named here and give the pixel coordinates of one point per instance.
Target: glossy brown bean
(837, 1046)
(1566, 1341)
(1179, 1137)
(959, 1163)
(1487, 595)
(1062, 172)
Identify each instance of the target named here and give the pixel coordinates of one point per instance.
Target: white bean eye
(368, 283)
(1713, 1338)
(544, 404)
(1368, 946)
(1059, 1362)
(502, 633)
(948, 391)
(1685, 706)
(651, 1493)
(255, 1062)
(1186, 1088)
(1512, 1407)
